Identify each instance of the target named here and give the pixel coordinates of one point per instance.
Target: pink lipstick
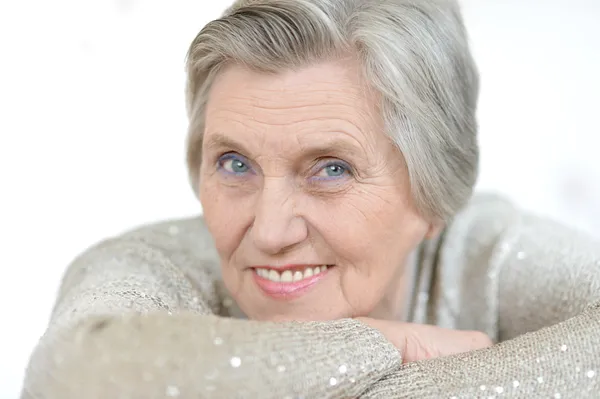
(290, 281)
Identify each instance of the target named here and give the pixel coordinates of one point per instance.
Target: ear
(435, 228)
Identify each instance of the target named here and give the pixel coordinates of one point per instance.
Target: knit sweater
(145, 315)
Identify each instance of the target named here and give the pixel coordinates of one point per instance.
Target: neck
(396, 303)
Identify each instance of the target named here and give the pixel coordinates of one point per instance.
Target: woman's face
(306, 198)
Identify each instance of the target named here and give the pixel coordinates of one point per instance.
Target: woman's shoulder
(490, 214)
(491, 230)
(488, 206)
(193, 226)
(183, 236)
(484, 218)
(174, 227)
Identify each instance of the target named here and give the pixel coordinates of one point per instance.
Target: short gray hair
(414, 53)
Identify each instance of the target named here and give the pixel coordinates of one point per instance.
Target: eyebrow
(218, 141)
(331, 147)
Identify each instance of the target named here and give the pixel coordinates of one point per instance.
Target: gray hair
(414, 53)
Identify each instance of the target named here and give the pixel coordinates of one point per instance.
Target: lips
(289, 282)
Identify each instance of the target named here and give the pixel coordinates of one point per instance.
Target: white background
(92, 128)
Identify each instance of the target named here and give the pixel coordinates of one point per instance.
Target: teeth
(288, 276)
(274, 276)
(264, 273)
(298, 276)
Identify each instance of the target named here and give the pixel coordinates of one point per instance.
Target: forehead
(318, 94)
(331, 75)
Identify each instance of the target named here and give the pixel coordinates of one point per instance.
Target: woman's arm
(129, 322)
(549, 320)
(561, 361)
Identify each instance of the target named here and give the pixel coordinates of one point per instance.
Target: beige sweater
(144, 315)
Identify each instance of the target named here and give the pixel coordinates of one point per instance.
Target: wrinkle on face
(287, 125)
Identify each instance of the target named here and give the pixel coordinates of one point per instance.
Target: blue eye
(333, 170)
(234, 164)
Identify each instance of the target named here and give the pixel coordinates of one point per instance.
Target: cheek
(372, 231)
(212, 207)
(361, 220)
(225, 226)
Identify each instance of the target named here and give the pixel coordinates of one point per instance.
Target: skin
(296, 169)
(287, 130)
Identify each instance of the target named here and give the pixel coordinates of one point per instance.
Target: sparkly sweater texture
(145, 315)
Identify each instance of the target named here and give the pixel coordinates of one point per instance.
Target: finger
(426, 342)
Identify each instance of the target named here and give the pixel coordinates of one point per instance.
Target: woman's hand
(420, 341)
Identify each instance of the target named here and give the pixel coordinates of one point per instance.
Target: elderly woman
(332, 145)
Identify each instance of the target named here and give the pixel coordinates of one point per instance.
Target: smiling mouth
(289, 282)
(291, 275)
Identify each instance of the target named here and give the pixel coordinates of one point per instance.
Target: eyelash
(347, 169)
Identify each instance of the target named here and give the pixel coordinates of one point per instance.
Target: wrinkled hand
(419, 341)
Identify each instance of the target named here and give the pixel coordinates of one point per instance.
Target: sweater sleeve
(548, 321)
(130, 321)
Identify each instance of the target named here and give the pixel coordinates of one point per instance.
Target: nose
(277, 227)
